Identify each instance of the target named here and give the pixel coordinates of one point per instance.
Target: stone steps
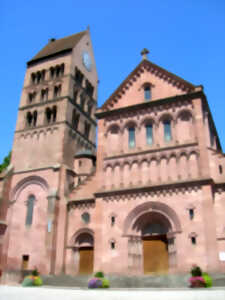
(116, 281)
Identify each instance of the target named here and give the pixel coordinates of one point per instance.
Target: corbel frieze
(163, 191)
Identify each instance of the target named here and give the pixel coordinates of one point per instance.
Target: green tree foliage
(6, 162)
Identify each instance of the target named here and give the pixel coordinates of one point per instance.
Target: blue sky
(184, 37)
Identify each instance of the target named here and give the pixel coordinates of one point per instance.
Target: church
(148, 199)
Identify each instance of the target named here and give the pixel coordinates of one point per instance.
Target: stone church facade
(149, 199)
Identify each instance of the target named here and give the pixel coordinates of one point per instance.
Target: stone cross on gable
(144, 53)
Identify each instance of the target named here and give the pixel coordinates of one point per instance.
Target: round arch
(22, 184)
(157, 207)
(85, 235)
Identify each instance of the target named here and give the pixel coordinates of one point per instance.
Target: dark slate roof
(58, 46)
(85, 153)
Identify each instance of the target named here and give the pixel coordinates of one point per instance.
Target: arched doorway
(150, 225)
(85, 245)
(153, 228)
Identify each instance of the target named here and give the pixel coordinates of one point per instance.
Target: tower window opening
(89, 88)
(89, 109)
(220, 169)
(31, 118)
(34, 118)
(48, 114)
(54, 113)
(131, 137)
(52, 72)
(75, 119)
(38, 77)
(57, 90)
(44, 94)
(82, 101)
(78, 77)
(87, 129)
(31, 97)
(75, 94)
(43, 75)
(33, 77)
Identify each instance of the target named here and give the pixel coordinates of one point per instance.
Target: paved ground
(49, 293)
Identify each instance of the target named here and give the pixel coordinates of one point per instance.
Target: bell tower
(56, 114)
(56, 120)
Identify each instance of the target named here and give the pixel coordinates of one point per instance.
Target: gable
(163, 84)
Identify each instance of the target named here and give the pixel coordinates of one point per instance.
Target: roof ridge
(58, 46)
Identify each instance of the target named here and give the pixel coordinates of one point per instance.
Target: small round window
(85, 218)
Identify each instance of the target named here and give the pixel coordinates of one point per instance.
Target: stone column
(51, 229)
(172, 253)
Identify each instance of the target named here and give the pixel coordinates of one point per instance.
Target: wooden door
(86, 260)
(155, 254)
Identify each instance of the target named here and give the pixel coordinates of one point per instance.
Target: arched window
(75, 119)
(54, 113)
(167, 130)
(34, 118)
(48, 114)
(30, 208)
(82, 101)
(149, 134)
(147, 93)
(29, 118)
(131, 137)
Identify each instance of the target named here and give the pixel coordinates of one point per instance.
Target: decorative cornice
(100, 114)
(152, 150)
(55, 124)
(160, 189)
(87, 203)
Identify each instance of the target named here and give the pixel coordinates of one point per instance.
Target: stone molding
(155, 190)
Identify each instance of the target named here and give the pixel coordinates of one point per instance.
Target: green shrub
(99, 274)
(105, 283)
(196, 271)
(38, 281)
(208, 279)
(35, 272)
(28, 281)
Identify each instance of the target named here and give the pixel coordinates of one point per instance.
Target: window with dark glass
(191, 213)
(113, 220)
(193, 240)
(131, 137)
(167, 130)
(220, 169)
(149, 134)
(30, 208)
(147, 93)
